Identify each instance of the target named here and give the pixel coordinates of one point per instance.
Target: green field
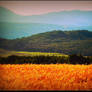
(5, 53)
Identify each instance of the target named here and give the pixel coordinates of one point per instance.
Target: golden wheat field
(45, 77)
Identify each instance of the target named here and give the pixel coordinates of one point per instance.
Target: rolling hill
(67, 42)
(18, 30)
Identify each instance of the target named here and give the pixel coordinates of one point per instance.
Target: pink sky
(41, 7)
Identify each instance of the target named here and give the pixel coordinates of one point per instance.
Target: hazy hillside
(8, 16)
(67, 42)
(18, 30)
(16, 26)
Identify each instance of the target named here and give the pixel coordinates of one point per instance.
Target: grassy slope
(67, 42)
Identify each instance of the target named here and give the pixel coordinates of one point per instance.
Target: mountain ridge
(77, 10)
(53, 18)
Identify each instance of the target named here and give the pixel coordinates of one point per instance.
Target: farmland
(45, 77)
(6, 53)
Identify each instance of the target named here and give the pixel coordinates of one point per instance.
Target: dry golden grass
(45, 77)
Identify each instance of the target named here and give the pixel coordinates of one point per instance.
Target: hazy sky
(41, 7)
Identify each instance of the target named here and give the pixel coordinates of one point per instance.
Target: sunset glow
(26, 8)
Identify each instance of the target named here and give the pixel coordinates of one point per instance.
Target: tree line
(71, 59)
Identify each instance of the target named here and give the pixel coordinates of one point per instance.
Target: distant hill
(14, 26)
(67, 42)
(18, 30)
